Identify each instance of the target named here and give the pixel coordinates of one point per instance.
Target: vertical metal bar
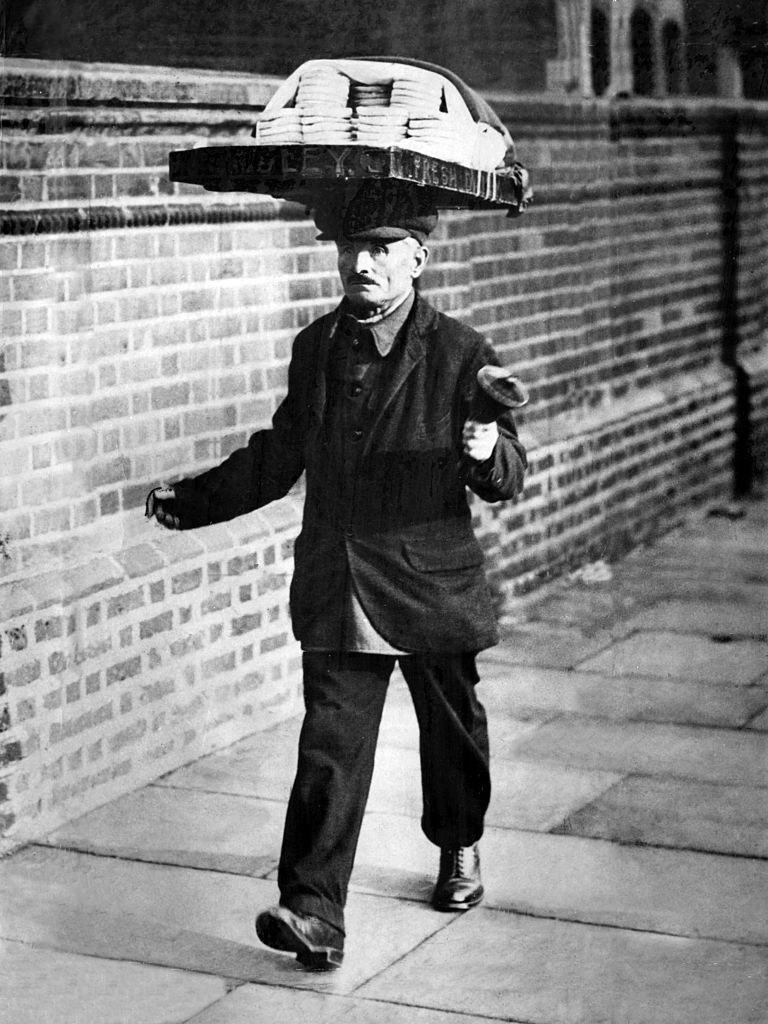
(742, 450)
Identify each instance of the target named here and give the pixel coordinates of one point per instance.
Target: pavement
(625, 857)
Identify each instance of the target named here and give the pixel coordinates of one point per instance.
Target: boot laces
(458, 862)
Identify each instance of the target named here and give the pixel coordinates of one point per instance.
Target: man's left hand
(160, 506)
(479, 439)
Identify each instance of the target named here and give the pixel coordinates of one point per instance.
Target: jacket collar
(385, 329)
(424, 316)
(420, 324)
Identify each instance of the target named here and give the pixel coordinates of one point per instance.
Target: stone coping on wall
(127, 546)
(553, 429)
(689, 112)
(38, 218)
(75, 82)
(39, 82)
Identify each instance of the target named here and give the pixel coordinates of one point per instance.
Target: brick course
(148, 329)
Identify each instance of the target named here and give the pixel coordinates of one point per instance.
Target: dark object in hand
(498, 390)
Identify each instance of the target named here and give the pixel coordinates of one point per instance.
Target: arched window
(641, 38)
(600, 35)
(672, 45)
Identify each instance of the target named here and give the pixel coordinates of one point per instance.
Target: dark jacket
(393, 520)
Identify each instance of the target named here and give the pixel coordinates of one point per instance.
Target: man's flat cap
(380, 209)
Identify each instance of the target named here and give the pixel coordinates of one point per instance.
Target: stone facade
(624, 47)
(147, 332)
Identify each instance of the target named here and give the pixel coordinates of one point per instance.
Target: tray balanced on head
(335, 123)
(304, 173)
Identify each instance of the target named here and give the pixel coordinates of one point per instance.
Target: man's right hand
(161, 506)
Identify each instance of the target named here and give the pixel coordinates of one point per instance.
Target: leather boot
(458, 886)
(317, 944)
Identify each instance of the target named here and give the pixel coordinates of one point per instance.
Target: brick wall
(147, 330)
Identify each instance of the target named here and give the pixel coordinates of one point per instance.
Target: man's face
(375, 274)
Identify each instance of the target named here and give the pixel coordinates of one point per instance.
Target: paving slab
(641, 580)
(261, 765)
(394, 858)
(114, 910)
(682, 656)
(709, 755)
(671, 571)
(692, 550)
(677, 813)
(541, 643)
(524, 795)
(43, 986)
(709, 548)
(526, 691)
(265, 762)
(532, 796)
(566, 875)
(669, 580)
(527, 796)
(760, 723)
(708, 544)
(748, 531)
(712, 618)
(505, 730)
(400, 729)
(184, 827)
(260, 1004)
(506, 967)
(571, 602)
(678, 892)
(200, 921)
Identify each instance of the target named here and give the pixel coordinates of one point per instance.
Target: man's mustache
(359, 279)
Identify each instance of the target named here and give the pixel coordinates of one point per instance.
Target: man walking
(378, 415)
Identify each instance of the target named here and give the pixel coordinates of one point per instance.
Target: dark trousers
(344, 699)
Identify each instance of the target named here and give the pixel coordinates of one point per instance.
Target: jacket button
(356, 389)
(357, 434)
